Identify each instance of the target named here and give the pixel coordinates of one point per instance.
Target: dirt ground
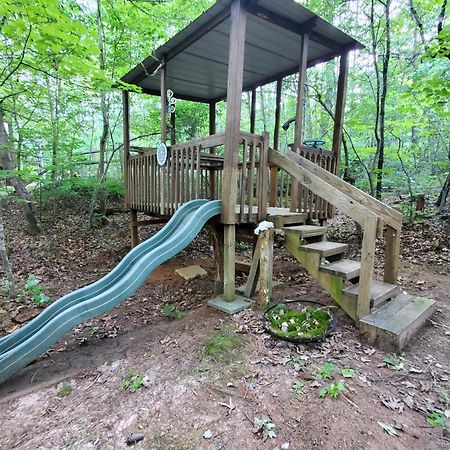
(202, 380)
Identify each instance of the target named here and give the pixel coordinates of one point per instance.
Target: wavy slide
(28, 342)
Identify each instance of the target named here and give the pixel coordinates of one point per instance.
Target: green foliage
(348, 373)
(326, 371)
(333, 390)
(64, 391)
(171, 312)
(394, 362)
(265, 427)
(133, 381)
(436, 419)
(35, 290)
(304, 324)
(298, 387)
(223, 347)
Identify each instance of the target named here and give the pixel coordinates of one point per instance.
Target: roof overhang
(197, 57)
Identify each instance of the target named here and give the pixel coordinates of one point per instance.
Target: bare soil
(185, 392)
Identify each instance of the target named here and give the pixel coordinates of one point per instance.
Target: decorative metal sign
(161, 154)
(170, 102)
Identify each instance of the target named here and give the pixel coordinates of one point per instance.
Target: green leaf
(348, 373)
(388, 428)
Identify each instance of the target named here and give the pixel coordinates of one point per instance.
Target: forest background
(60, 119)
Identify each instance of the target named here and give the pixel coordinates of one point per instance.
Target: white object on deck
(263, 226)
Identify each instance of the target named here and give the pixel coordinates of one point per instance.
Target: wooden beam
(265, 241)
(391, 254)
(232, 141)
(217, 239)
(126, 144)
(340, 107)
(212, 150)
(253, 111)
(276, 144)
(299, 112)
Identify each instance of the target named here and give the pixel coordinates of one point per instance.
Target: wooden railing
(195, 170)
(369, 212)
(303, 200)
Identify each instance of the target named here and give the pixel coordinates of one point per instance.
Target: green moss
(222, 346)
(64, 391)
(301, 324)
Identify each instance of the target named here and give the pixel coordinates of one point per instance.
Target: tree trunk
(99, 193)
(7, 162)
(4, 256)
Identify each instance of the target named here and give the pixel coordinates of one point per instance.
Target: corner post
(339, 110)
(299, 112)
(391, 254)
(212, 150)
(276, 144)
(163, 95)
(232, 142)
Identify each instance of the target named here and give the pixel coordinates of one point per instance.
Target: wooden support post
(163, 95)
(212, 150)
(126, 145)
(232, 139)
(252, 279)
(134, 228)
(263, 177)
(173, 139)
(367, 261)
(216, 235)
(265, 242)
(339, 111)
(276, 144)
(253, 111)
(391, 254)
(299, 112)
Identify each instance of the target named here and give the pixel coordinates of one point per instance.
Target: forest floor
(200, 381)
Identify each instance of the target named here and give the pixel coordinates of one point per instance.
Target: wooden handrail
(387, 214)
(341, 200)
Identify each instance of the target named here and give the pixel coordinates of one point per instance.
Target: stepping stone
(191, 272)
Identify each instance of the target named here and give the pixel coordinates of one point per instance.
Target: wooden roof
(197, 57)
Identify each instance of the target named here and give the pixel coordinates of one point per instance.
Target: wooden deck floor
(279, 216)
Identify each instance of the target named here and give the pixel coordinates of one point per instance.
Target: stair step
(345, 268)
(325, 248)
(379, 293)
(392, 325)
(306, 231)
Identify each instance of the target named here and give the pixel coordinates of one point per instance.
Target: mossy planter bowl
(299, 321)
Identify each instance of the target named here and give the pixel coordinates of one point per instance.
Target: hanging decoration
(170, 102)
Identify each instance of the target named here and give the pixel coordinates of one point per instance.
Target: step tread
(392, 330)
(306, 230)
(325, 248)
(380, 291)
(345, 268)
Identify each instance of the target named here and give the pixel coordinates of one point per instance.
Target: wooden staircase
(386, 317)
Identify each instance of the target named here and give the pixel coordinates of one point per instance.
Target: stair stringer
(332, 284)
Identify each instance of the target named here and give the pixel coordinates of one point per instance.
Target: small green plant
(133, 381)
(70, 442)
(34, 288)
(326, 371)
(394, 362)
(348, 373)
(298, 387)
(171, 312)
(296, 362)
(436, 419)
(64, 391)
(304, 324)
(333, 390)
(265, 427)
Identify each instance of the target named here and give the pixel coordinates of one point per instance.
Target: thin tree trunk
(4, 256)
(99, 193)
(7, 162)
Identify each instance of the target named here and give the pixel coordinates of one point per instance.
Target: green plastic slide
(28, 342)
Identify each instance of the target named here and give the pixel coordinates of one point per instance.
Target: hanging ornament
(170, 102)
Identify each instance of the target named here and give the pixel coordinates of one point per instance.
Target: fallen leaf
(388, 428)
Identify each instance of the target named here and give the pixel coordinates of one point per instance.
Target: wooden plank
(339, 110)
(252, 279)
(379, 291)
(306, 231)
(217, 238)
(265, 241)
(263, 177)
(242, 266)
(367, 261)
(325, 248)
(388, 214)
(229, 257)
(234, 93)
(243, 181)
(346, 204)
(299, 111)
(391, 254)
(344, 268)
